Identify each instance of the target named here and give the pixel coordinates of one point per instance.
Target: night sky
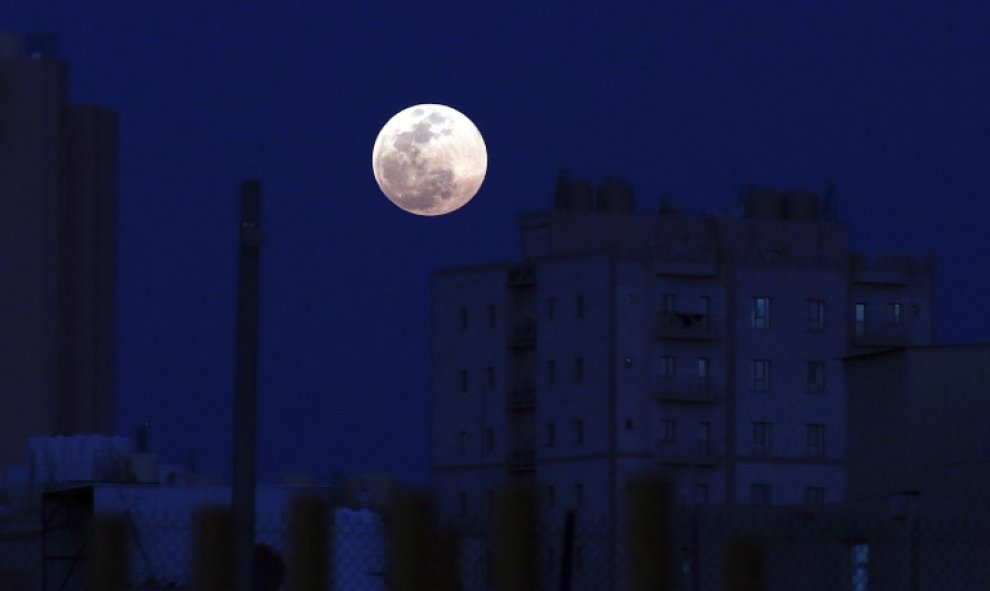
(689, 100)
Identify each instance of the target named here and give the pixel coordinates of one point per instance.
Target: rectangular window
(894, 312)
(703, 363)
(550, 494)
(760, 314)
(761, 375)
(551, 303)
(762, 438)
(578, 495)
(814, 495)
(491, 376)
(490, 439)
(491, 315)
(464, 318)
(816, 376)
(549, 432)
(705, 436)
(815, 433)
(579, 369)
(462, 504)
(668, 430)
(462, 442)
(578, 432)
(464, 380)
(579, 306)
(859, 317)
(760, 494)
(668, 306)
(816, 315)
(551, 371)
(706, 310)
(668, 365)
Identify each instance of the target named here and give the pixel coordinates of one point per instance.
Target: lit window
(762, 438)
(816, 376)
(816, 315)
(760, 315)
(815, 433)
(894, 308)
(859, 316)
(761, 375)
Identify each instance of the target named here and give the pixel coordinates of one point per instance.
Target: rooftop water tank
(615, 196)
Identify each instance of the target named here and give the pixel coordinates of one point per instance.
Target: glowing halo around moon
(429, 159)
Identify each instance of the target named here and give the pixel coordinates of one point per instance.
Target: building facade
(705, 348)
(57, 196)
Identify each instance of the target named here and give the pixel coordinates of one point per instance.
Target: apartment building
(705, 347)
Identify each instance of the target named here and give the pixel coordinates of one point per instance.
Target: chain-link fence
(703, 548)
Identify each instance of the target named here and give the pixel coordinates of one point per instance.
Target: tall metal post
(245, 386)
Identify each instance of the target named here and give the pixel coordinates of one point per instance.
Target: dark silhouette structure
(57, 198)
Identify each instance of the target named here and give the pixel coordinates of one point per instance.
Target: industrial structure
(57, 201)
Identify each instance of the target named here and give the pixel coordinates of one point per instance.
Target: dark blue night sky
(684, 99)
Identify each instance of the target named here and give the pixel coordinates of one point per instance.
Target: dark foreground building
(57, 194)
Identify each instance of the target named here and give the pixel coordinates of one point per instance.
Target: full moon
(429, 159)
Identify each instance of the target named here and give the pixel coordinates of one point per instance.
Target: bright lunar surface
(429, 159)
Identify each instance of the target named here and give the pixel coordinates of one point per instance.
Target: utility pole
(245, 386)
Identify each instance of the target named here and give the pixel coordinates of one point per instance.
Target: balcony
(880, 334)
(522, 459)
(689, 452)
(521, 275)
(686, 326)
(684, 389)
(521, 397)
(523, 334)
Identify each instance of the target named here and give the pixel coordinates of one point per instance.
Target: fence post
(744, 565)
(109, 569)
(213, 550)
(567, 563)
(650, 520)
(514, 529)
(311, 558)
(416, 550)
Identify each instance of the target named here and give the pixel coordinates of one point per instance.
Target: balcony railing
(880, 334)
(686, 326)
(689, 452)
(684, 389)
(522, 397)
(523, 334)
(522, 459)
(521, 275)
